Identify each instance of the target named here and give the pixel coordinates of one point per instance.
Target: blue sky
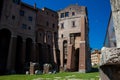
(98, 15)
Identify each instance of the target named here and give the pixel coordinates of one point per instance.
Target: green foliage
(59, 76)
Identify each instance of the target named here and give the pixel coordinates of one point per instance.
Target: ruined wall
(115, 4)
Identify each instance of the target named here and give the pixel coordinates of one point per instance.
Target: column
(33, 53)
(61, 55)
(70, 58)
(82, 57)
(115, 4)
(54, 49)
(23, 54)
(45, 37)
(12, 54)
(82, 51)
(37, 52)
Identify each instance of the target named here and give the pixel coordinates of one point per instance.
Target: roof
(72, 5)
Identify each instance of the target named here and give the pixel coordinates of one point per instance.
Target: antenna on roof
(34, 5)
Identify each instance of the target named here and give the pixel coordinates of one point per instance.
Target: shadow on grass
(94, 70)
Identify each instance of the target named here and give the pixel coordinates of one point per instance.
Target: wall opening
(5, 36)
(65, 53)
(28, 53)
(18, 62)
(76, 59)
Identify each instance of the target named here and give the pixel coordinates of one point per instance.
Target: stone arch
(65, 52)
(5, 36)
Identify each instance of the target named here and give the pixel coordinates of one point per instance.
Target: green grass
(61, 76)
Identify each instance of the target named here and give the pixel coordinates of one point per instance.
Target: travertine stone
(110, 56)
(116, 18)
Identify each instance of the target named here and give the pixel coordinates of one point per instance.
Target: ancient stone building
(47, 37)
(29, 34)
(73, 39)
(110, 57)
(26, 35)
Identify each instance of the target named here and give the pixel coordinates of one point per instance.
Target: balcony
(110, 56)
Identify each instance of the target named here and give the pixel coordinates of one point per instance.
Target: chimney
(34, 5)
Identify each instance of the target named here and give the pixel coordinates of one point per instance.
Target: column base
(82, 71)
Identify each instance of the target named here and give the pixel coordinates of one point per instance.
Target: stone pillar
(23, 54)
(116, 18)
(54, 49)
(23, 50)
(37, 52)
(33, 53)
(82, 57)
(61, 55)
(12, 54)
(82, 53)
(54, 54)
(45, 37)
(70, 58)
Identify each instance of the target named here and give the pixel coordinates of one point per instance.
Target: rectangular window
(73, 23)
(47, 23)
(30, 18)
(13, 17)
(22, 13)
(62, 15)
(24, 26)
(66, 14)
(73, 13)
(62, 25)
(29, 27)
(53, 25)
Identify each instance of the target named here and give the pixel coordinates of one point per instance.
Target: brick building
(95, 57)
(73, 39)
(27, 34)
(47, 37)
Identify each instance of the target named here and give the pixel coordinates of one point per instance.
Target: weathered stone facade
(47, 37)
(20, 38)
(116, 18)
(110, 58)
(30, 35)
(73, 39)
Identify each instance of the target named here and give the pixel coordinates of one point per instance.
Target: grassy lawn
(58, 76)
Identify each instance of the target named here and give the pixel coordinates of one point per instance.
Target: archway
(18, 66)
(40, 55)
(5, 36)
(65, 53)
(76, 59)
